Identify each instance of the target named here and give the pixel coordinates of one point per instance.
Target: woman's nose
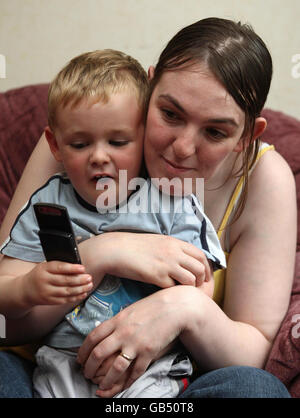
(184, 145)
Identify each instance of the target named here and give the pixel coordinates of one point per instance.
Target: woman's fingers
(118, 368)
(122, 366)
(191, 266)
(164, 262)
(91, 354)
(139, 367)
(201, 268)
(116, 388)
(191, 269)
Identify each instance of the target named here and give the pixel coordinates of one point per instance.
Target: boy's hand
(56, 283)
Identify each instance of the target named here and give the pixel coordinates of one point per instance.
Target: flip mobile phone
(56, 233)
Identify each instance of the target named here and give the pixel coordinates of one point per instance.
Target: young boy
(97, 106)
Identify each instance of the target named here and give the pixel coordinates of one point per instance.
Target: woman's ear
(259, 128)
(52, 142)
(151, 72)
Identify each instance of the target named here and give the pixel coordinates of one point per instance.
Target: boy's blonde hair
(96, 75)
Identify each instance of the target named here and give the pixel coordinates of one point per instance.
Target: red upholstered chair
(22, 120)
(284, 360)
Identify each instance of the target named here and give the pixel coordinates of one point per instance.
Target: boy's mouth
(102, 180)
(97, 177)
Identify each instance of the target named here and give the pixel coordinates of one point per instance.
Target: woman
(208, 89)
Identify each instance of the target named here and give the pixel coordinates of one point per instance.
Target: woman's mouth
(173, 167)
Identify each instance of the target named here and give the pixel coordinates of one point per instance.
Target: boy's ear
(151, 71)
(259, 128)
(50, 136)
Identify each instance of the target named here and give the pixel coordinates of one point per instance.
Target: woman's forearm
(164, 261)
(95, 254)
(35, 325)
(41, 157)
(13, 301)
(215, 341)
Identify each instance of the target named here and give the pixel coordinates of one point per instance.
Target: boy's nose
(99, 156)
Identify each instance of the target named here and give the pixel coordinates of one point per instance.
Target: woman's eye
(170, 115)
(216, 134)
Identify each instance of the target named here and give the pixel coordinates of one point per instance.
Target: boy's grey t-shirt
(146, 210)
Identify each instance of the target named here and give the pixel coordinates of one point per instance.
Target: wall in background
(37, 37)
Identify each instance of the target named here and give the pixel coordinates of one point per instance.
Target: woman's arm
(157, 259)
(161, 262)
(260, 272)
(164, 260)
(258, 286)
(40, 166)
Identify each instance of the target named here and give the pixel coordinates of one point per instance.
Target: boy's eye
(78, 145)
(118, 142)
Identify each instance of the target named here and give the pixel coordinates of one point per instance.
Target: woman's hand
(143, 331)
(157, 259)
(118, 386)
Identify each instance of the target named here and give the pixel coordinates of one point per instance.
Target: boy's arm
(35, 297)
(27, 324)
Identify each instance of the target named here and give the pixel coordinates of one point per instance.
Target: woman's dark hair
(238, 58)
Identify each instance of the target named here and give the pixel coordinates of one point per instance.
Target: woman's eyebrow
(229, 121)
(173, 101)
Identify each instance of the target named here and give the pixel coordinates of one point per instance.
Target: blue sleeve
(23, 242)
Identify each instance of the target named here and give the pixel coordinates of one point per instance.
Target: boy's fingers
(66, 268)
(70, 280)
(57, 300)
(68, 291)
(77, 290)
(76, 280)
